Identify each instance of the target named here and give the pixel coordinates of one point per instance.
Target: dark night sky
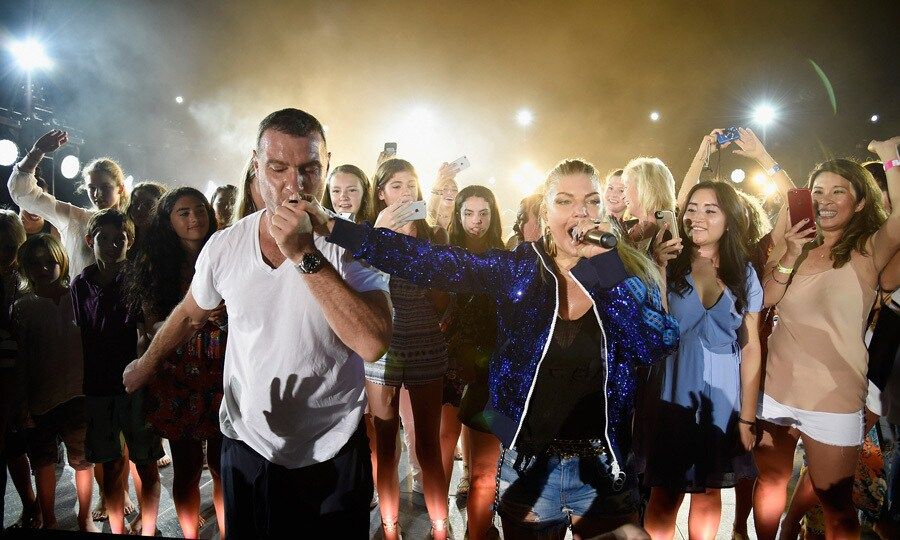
(591, 73)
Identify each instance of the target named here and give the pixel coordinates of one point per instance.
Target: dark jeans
(265, 500)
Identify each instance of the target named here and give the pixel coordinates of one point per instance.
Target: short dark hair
(291, 121)
(877, 170)
(110, 216)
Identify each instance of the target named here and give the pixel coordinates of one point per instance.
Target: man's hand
(136, 376)
(291, 227)
(51, 141)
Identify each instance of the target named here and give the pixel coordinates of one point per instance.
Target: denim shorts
(544, 493)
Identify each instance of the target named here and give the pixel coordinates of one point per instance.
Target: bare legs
(45, 478)
(484, 452)
(384, 406)
(187, 463)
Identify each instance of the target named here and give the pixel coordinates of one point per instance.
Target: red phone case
(800, 206)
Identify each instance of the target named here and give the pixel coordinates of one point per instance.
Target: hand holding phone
(667, 217)
(726, 136)
(459, 165)
(800, 206)
(390, 149)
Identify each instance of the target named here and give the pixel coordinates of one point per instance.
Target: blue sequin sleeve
(645, 333)
(426, 264)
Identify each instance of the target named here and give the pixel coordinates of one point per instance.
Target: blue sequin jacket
(635, 327)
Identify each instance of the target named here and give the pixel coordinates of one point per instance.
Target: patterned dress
(418, 352)
(184, 397)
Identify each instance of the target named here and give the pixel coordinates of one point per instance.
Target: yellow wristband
(783, 269)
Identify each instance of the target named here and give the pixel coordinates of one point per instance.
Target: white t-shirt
(293, 391)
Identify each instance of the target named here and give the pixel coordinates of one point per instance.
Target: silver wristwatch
(311, 262)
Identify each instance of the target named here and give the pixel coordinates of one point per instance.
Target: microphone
(600, 238)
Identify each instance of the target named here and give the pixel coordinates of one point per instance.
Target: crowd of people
(281, 334)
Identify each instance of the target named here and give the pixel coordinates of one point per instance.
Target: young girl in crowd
(649, 186)
(528, 223)
(12, 235)
(472, 337)
(223, 201)
(816, 371)
(711, 385)
(104, 182)
(349, 192)
(569, 317)
(183, 400)
(50, 349)
(443, 195)
(614, 195)
(142, 206)
(417, 359)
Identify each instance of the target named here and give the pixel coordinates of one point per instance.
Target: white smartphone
(346, 215)
(460, 164)
(418, 211)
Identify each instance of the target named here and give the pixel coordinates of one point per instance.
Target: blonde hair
(112, 170)
(654, 183)
(635, 261)
(11, 225)
(245, 204)
(27, 257)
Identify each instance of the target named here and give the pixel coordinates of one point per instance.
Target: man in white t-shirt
(302, 318)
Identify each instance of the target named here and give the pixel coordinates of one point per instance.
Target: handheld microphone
(600, 238)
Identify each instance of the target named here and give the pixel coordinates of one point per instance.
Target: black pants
(264, 500)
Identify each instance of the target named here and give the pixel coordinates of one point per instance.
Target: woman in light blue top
(704, 419)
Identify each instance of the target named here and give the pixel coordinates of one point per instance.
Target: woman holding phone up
(417, 359)
(711, 386)
(573, 319)
(815, 384)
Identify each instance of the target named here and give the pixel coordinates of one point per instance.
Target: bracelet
(749, 423)
(888, 165)
(784, 269)
(773, 170)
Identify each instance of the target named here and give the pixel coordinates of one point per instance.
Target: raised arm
(692, 176)
(25, 192)
(887, 240)
(180, 325)
(751, 147)
(426, 264)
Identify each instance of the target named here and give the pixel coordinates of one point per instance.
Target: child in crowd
(109, 339)
(49, 346)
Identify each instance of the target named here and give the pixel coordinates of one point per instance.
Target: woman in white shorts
(815, 387)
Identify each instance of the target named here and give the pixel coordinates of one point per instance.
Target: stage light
(738, 175)
(179, 99)
(9, 152)
(764, 115)
(30, 54)
(769, 189)
(654, 116)
(760, 179)
(524, 117)
(422, 115)
(528, 178)
(874, 118)
(69, 166)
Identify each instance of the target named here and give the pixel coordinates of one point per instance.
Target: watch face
(311, 262)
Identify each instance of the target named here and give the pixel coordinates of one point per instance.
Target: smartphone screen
(664, 217)
(800, 206)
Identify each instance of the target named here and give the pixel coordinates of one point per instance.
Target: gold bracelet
(784, 269)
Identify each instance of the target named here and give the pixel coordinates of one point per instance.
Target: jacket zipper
(615, 469)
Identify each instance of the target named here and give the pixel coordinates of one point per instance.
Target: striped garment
(418, 352)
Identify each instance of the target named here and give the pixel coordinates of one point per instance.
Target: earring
(549, 245)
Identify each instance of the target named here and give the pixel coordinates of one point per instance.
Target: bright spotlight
(738, 175)
(769, 189)
(9, 152)
(764, 115)
(30, 54)
(179, 99)
(524, 117)
(69, 166)
(422, 115)
(528, 178)
(760, 179)
(874, 118)
(654, 116)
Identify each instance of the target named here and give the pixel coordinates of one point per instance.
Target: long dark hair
(382, 176)
(155, 274)
(862, 224)
(458, 232)
(365, 204)
(733, 256)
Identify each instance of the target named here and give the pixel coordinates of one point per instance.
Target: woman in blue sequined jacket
(613, 295)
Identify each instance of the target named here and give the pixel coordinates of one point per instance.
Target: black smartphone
(730, 134)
